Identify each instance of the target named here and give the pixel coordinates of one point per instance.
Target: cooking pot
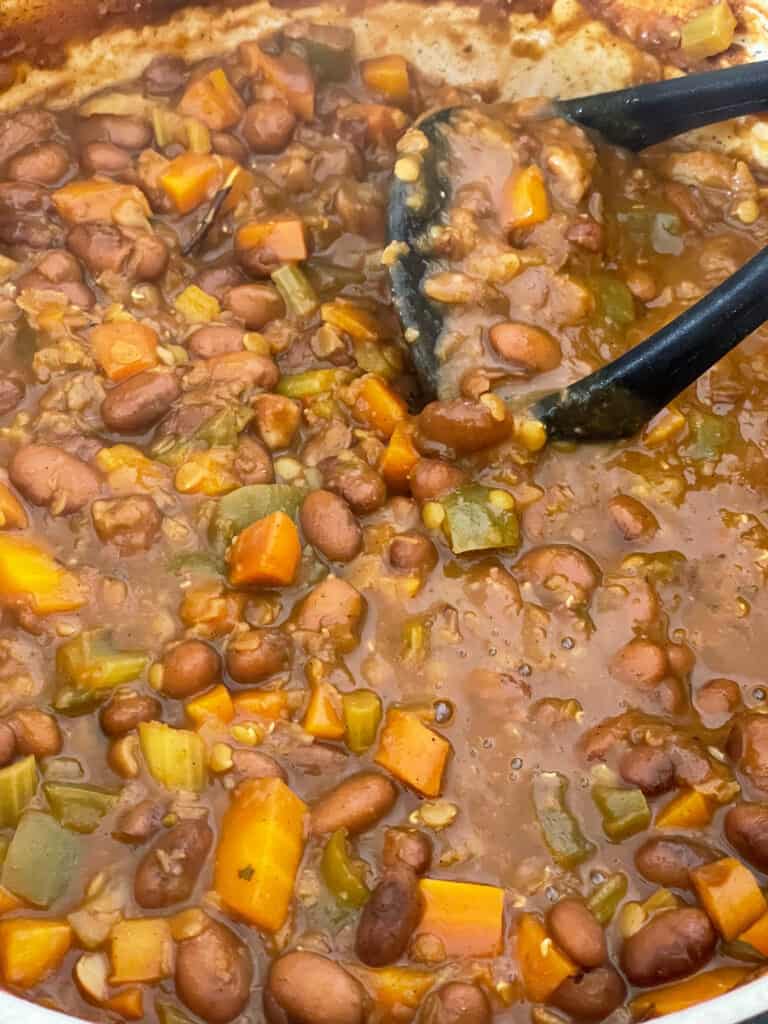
(509, 48)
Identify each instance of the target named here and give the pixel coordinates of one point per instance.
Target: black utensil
(616, 400)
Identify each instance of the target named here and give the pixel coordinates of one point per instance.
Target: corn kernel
(220, 759)
(250, 735)
(155, 676)
(502, 500)
(532, 434)
(432, 515)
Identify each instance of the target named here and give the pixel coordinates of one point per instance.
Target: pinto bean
(560, 568)
(218, 279)
(747, 746)
(631, 517)
(457, 1002)
(190, 667)
(253, 462)
(640, 663)
(121, 130)
(75, 292)
(149, 257)
(7, 744)
(293, 984)
(138, 823)
(389, 917)
(357, 482)
(334, 605)
(412, 551)
(355, 804)
(268, 126)
(24, 128)
(316, 758)
(215, 340)
(667, 860)
(53, 478)
(593, 995)
(252, 764)
(746, 828)
(26, 216)
(255, 304)
(672, 945)
(530, 349)
(246, 368)
(577, 931)
(165, 75)
(12, 392)
(227, 145)
(140, 402)
(256, 654)
(330, 526)
(168, 872)
(277, 419)
(332, 440)
(36, 732)
(132, 523)
(409, 847)
(104, 158)
(431, 478)
(651, 769)
(214, 973)
(44, 164)
(100, 246)
(463, 425)
(125, 710)
(719, 698)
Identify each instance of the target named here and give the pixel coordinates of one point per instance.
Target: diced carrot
(730, 895)
(690, 992)
(354, 320)
(412, 752)
(212, 100)
(31, 948)
(141, 950)
(377, 405)
(13, 515)
(524, 200)
(267, 552)
(543, 966)
(212, 608)
(190, 179)
(97, 199)
(466, 917)
(324, 717)
(384, 124)
(260, 847)
(688, 810)
(397, 991)
(400, 456)
(284, 239)
(387, 76)
(757, 935)
(271, 704)
(124, 347)
(214, 703)
(28, 572)
(128, 1004)
(289, 74)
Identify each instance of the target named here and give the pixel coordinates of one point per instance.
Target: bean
(36, 732)
(681, 659)
(649, 768)
(747, 746)
(24, 128)
(75, 292)
(409, 847)
(355, 481)
(246, 368)
(332, 440)
(120, 129)
(463, 425)
(255, 304)
(673, 944)
(132, 523)
(389, 918)
(252, 764)
(190, 667)
(227, 145)
(746, 828)
(277, 419)
(593, 995)
(268, 126)
(104, 158)
(125, 710)
(123, 756)
(431, 478)
(412, 551)
(558, 567)
(334, 605)
(53, 478)
(215, 341)
(529, 348)
(719, 698)
(149, 257)
(44, 164)
(457, 1002)
(214, 973)
(578, 933)
(355, 804)
(667, 860)
(140, 402)
(100, 246)
(168, 872)
(316, 758)
(138, 823)
(218, 279)
(59, 266)
(7, 744)
(631, 517)
(293, 985)
(12, 392)
(640, 663)
(330, 526)
(165, 75)
(256, 654)
(26, 216)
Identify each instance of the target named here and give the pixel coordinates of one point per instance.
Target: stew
(320, 710)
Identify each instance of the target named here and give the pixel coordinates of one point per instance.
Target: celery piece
(175, 757)
(41, 860)
(625, 812)
(341, 874)
(225, 426)
(90, 662)
(296, 290)
(613, 299)
(709, 32)
(78, 807)
(562, 832)
(362, 715)
(605, 898)
(18, 783)
(710, 436)
(309, 383)
(245, 505)
(475, 523)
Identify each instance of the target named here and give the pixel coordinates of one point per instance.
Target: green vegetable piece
(90, 662)
(225, 427)
(296, 290)
(327, 48)
(415, 639)
(605, 899)
(740, 950)
(562, 832)
(362, 715)
(710, 436)
(244, 506)
(341, 874)
(5, 842)
(625, 812)
(476, 519)
(18, 783)
(78, 807)
(308, 384)
(175, 757)
(41, 860)
(167, 1013)
(613, 299)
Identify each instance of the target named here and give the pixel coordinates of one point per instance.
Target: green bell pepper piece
(710, 435)
(91, 662)
(562, 832)
(613, 300)
(79, 807)
(625, 812)
(475, 520)
(41, 860)
(340, 873)
(310, 383)
(362, 715)
(245, 505)
(18, 783)
(605, 898)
